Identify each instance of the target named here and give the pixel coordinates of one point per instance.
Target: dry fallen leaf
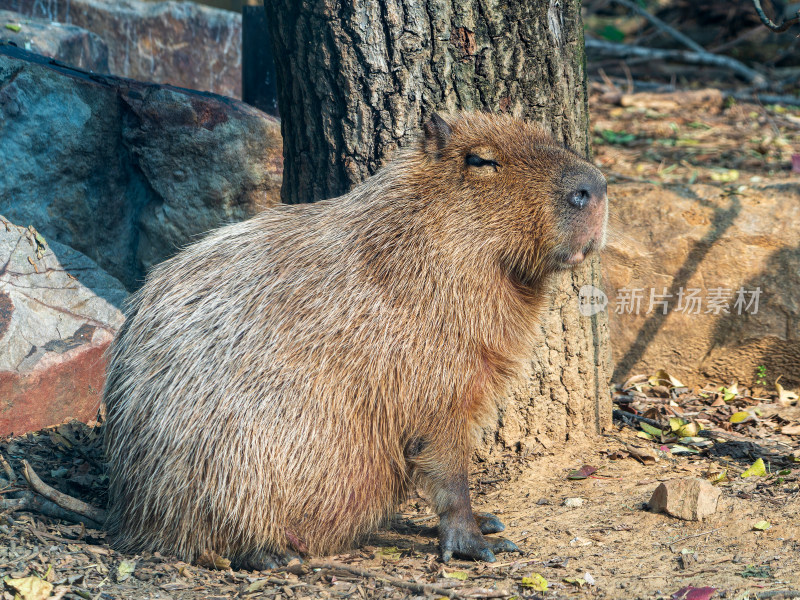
(460, 575)
(212, 560)
(790, 429)
(643, 455)
(785, 397)
(30, 588)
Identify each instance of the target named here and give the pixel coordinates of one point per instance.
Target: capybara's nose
(588, 192)
(579, 198)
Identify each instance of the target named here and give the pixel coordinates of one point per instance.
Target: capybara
(280, 385)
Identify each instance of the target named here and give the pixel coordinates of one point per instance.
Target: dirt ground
(604, 545)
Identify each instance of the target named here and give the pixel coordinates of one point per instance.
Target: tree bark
(357, 78)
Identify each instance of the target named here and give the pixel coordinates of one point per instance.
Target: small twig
(745, 95)
(524, 561)
(12, 476)
(694, 535)
(737, 40)
(778, 594)
(61, 499)
(423, 519)
(662, 26)
(764, 98)
(22, 559)
(420, 588)
(28, 501)
(768, 22)
(685, 56)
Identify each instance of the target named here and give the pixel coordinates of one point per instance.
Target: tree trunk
(356, 79)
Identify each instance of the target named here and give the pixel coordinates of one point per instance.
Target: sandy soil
(626, 550)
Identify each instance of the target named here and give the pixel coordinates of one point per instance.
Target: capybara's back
(278, 386)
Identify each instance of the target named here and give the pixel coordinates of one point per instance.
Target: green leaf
(762, 525)
(535, 582)
(460, 575)
(724, 175)
(764, 572)
(390, 553)
(655, 431)
(576, 581)
(614, 137)
(740, 417)
(757, 469)
(678, 449)
(611, 33)
(13, 27)
(675, 423)
(729, 393)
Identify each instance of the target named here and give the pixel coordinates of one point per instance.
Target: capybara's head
(542, 203)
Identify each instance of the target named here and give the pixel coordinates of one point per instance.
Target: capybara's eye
(473, 160)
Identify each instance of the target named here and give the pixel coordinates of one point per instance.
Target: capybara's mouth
(572, 258)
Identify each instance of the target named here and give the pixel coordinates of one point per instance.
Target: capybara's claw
(466, 541)
(489, 523)
(500, 544)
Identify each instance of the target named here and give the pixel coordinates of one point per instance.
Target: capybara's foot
(263, 561)
(489, 523)
(463, 538)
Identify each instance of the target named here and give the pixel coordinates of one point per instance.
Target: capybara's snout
(584, 210)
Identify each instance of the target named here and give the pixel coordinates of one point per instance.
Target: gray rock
(180, 43)
(127, 172)
(58, 314)
(67, 43)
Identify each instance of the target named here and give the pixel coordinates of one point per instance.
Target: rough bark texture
(356, 80)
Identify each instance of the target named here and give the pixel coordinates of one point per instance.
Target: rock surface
(67, 43)
(728, 245)
(58, 313)
(689, 499)
(179, 43)
(123, 171)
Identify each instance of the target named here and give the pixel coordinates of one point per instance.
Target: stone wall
(123, 171)
(179, 43)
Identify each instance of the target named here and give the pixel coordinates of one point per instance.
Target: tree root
(95, 515)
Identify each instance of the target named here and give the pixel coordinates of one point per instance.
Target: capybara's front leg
(459, 531)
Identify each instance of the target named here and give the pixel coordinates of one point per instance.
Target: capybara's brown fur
(281, 384)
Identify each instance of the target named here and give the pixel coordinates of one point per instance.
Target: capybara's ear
(437, 134)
